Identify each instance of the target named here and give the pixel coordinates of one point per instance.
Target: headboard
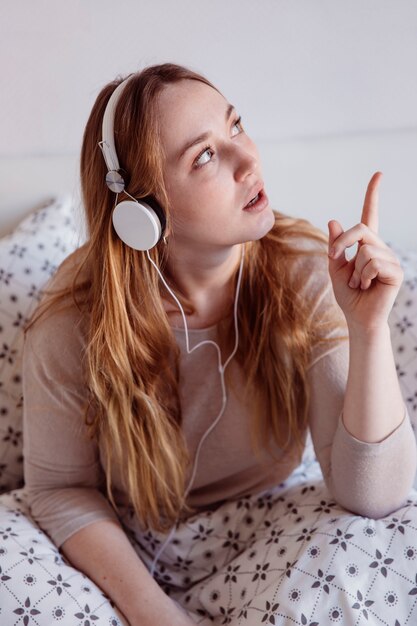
(319, 178)
(26, 181)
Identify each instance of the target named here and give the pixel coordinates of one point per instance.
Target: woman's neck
(207, 282)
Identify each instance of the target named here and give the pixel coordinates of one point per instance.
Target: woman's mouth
(258, 203)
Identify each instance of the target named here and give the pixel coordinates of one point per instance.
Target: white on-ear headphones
(139, 224)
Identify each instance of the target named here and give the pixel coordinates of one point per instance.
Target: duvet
(286, 556)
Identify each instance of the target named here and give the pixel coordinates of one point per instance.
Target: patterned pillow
(403, 326)
(28, 257)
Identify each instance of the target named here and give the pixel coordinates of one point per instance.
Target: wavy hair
(132, 358)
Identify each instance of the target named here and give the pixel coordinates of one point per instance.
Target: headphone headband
(114, 179)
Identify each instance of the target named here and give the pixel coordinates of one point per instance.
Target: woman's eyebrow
(203, 136)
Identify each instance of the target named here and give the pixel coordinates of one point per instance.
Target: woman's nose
(246, 163)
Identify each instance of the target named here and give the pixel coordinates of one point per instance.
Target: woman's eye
(238, 123)
(199, 162)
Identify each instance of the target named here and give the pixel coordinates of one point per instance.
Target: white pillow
(403, 326)
(28, 257)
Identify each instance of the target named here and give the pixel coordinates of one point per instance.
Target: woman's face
(209, 183)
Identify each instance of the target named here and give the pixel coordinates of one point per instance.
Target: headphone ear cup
(138, 224)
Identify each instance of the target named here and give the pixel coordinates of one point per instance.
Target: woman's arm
(103, 552)
(372, 478)
(368, 456)
(64, 478)
(365, 288)
(373, 406)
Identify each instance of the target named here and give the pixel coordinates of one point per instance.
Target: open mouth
(258, 203)
(252, 202)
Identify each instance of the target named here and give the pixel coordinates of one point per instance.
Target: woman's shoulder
(298, 239)
(297, 250)
(59, 319)
(309, 259)
(72, 265)
(313, 282)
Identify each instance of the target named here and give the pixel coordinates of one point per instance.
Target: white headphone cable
(221, 369)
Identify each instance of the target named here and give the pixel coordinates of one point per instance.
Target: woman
(129, 431)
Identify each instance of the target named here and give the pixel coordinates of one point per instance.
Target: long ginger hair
(131, 355)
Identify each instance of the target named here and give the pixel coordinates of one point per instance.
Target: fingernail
(332, 252)
(353, 283)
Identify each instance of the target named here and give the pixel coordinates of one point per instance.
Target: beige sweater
(63, 469)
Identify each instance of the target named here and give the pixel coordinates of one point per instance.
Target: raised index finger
(370, 205)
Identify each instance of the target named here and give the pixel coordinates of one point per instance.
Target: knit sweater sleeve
(62, 468)
(370, 479)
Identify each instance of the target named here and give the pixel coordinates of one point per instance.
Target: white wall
(326, 88)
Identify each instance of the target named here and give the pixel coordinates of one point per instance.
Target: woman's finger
(370, 205)
(335, 230)
(360, 233)
(386, 272)
(366, 253)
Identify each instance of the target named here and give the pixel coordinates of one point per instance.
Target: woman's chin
(263, 224)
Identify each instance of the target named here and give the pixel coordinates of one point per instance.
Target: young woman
(130, 430)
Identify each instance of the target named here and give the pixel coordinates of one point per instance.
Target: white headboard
(26, 181)
(318, 179)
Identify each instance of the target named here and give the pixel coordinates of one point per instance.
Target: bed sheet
(289, 555)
